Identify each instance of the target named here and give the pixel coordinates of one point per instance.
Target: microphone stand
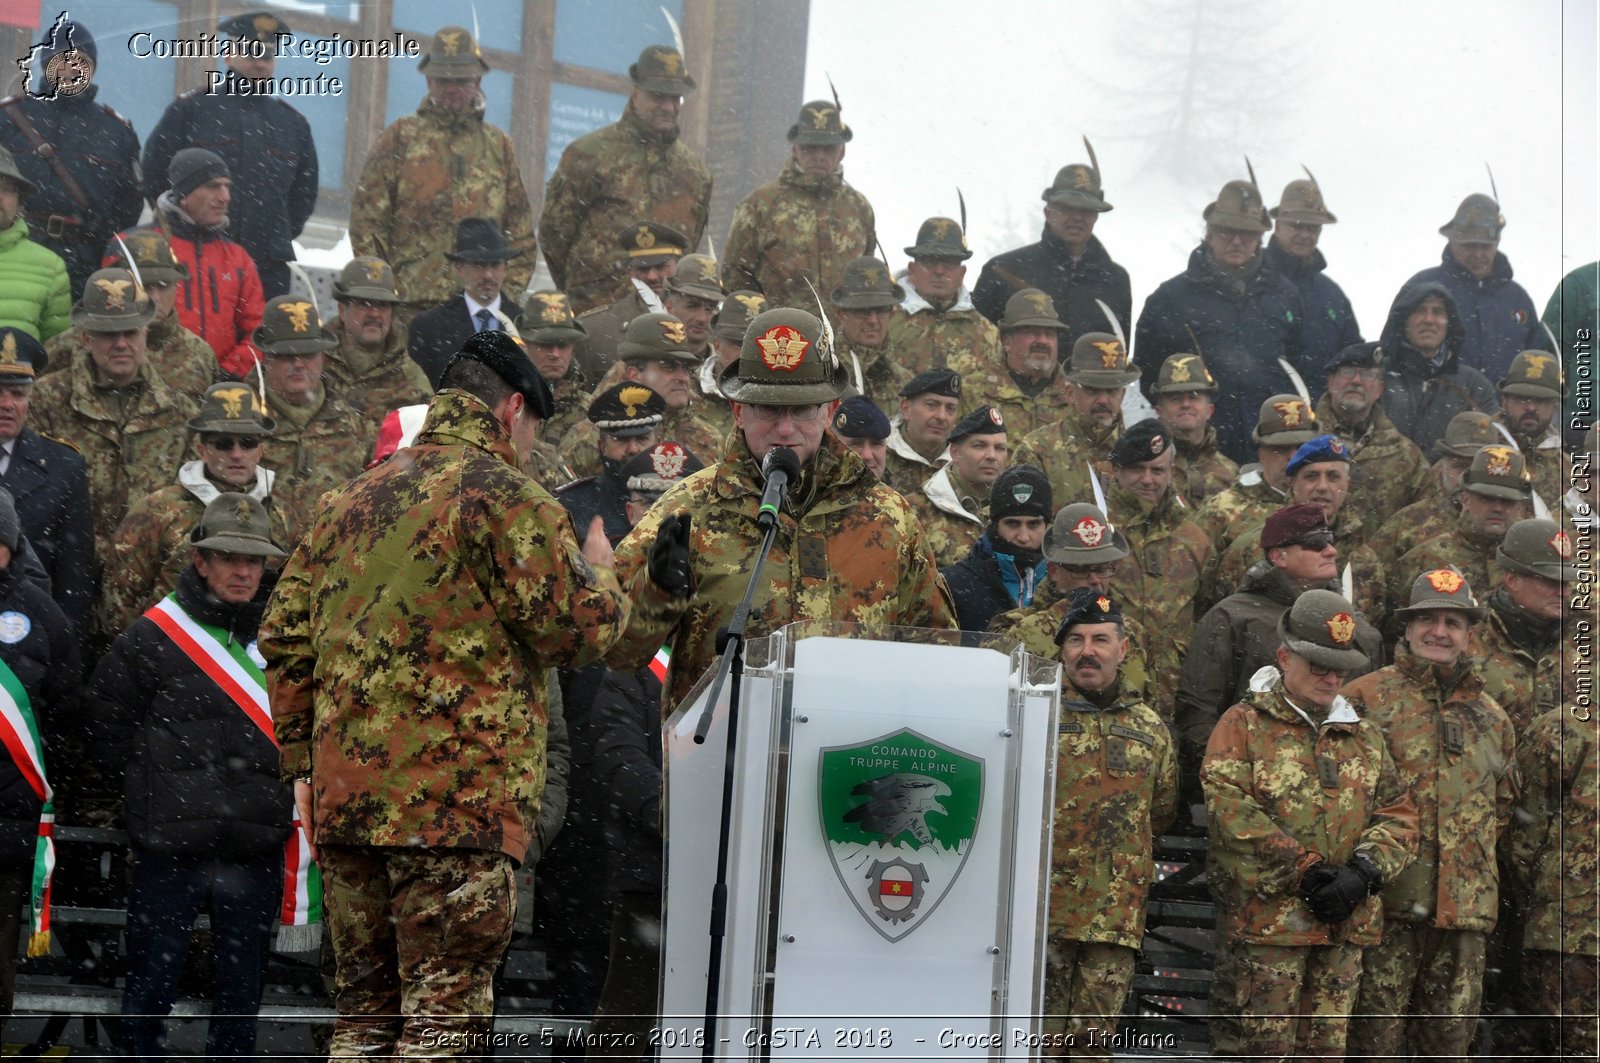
(730, 666)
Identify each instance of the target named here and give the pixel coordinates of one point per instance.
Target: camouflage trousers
(1558, 999)
(1294, 1001)
(1422, 985)
(1085, 985)
(416, 936)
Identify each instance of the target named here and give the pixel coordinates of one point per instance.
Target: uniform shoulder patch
(69, 444)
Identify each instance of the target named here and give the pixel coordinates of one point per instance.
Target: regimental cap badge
(1157, 445)
(674, 331)
(374, 268)
(299, 315)
(1538, 364)
(819, 116)
(753, 302)
(1336, 445)
(1089, 531)
(1560, 542)
(1021, 492)
(671, 62)
(451, 41)
(1180, 368)
(242, 510)
(265, 25)
(1103, 603)
(1342, 628)
(553, 307)
(632, 398)
(1445, 580)
(782, 348)
(8, 350)
(667, 459)
(116, 292)
(1292, 412)
(1112, 354)
(233, 399)
(994, 416)
(1497, 461)
(644, 238)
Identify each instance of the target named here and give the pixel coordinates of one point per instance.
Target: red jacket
(221, 302)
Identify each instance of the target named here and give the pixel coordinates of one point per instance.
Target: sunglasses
(1315, 540)
(227, 443)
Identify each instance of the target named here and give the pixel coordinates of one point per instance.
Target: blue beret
(1315, 449)
(858, 418)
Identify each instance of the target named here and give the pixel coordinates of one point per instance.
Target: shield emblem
(899, 814)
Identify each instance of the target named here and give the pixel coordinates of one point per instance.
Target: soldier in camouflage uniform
(407, 648)
(806, 225)
(727, 336)
(1308, 818)
(1530, 398)
(848, 549)
(627, 418)
(116, 410)
(432, 169)
(1454, 748)
(151, 545)
(635, 168)
(864, 305)
(1183, 400)
(1494, 496)
(649, 254)
(694, 295)
(864, 429)
(1284, 423)
(550, 330)
(953, 503)
(185, 361)
(1389, 471)
(920, 438)
(1519, 648)
(936, 321)
(1028, 387)
(1437, 510)
(370, 365)
(1098, 374)
(320, 442)
(1116, 789)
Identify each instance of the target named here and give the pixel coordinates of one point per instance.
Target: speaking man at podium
(847, 549)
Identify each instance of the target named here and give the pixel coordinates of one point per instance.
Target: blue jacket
(1497, 314)
(986, 582)
(1420, 397)
(1048, 266)
(1330, 321)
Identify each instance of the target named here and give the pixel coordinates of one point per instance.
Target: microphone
(780, 466)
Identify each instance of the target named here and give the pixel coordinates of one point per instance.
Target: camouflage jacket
(185, 362)
(1116, 789)
(795, 229)
(408, 639)
(1034, 626)
(572, 398)
(1233, 511)
(1024, 413)
(132, 439)
(316, 448)
(596, 353)
(848, 549)
(1551, 850)
(952, 518)
(1474, 558)
(1389, 473)
(372, 384)
(874, 373)
(1283, 793)
(545, 466)
(423, 174)
(580, 450)
(1521, 662)
(1548, 465)
(1454, 749)
(151, 545)
(607, 180)
(1428, 517)
(1201, 470)
(708, 404)
(921, 337)
(1065, 449)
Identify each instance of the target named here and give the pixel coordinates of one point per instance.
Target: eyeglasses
(1348, 371)
(287, 356)
(937, 265)
(367, 304)
(1315, 541)
(230, 443)
(774, 414)
(1090, 570)
(1322, 673)
(1234, 236)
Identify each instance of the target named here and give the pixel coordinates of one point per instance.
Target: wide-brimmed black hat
(480, 240)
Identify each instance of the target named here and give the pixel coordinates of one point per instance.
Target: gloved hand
(1317, 876)
(1362, 865)
(1336, 899)
(669, 556)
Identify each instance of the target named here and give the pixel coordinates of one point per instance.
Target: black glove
(1362, 865)
(669, 556)
(1317, 876)
(1336, 899)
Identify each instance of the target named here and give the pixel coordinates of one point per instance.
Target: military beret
(1142, 442)
(1085, 605)
(505, 355)
(858, 417)
(22, 356)
(1020, 491)
(627, 409)
(1318, 449)
(945, 382)
(653, 471)
(1290, 524)
(1362, 355)
(984, 421)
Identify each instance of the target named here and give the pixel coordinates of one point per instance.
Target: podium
(889, 850)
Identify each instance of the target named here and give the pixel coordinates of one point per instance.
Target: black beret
(984, 421)
(1139, 444)
(1085, 605)
(1364, 355)
(944, 382)
(506, 356)
(859, 418)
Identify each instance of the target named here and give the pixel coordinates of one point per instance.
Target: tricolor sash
(19, 730)
(229, 664)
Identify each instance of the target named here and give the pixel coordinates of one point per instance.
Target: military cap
(1301, 204)
(1534, 375)
(257, 27)
(1183, 372)
(1290, 524)
(22, 356)
(697, 275)
(1020, 491)
(368, 278)
(1477, 221)
(235, 524)
(152, 253)
(787, 359)
(649, 243)
(453, 54)
(627, 409)
(480, 240)
(1441, 588)
(232, 407)
(504, 355)
(1499, 472)
(819, 123)
(8, 168)
(866, 283)
(1081, 535)
(1361, 355)
(983, 421)
(944, 382)
(1238, 207)
(859, 418)
(1537, 547)
(1285, 421)
(1467, 433)
(940, 238)
(192, 167)
(112, 302)
(1319, 449)
(660, 69)
(737, 311)
(1085, 605)
(1321, 627)
(657, 336)
(1141, 442)
(1100, 360)
(1077, 187)
(289, 325)
(547, 318)
(1030, 308)
(653, 471)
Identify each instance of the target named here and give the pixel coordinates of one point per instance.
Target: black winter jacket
(1047, 265)
(1329, 325)
(627, 764)
(1420, 397)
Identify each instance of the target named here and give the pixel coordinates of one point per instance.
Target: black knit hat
(1020, 491)
(193, 167)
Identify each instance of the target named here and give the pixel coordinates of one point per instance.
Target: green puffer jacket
(34, 293)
